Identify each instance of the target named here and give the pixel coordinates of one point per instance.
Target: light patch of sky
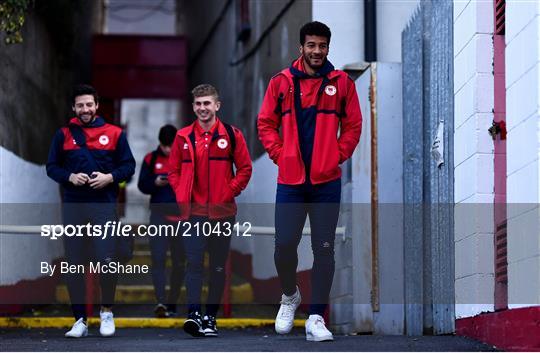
(141, 17)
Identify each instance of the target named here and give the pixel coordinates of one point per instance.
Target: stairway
(137, 289)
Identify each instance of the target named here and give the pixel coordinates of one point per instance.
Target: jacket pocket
(228, 194)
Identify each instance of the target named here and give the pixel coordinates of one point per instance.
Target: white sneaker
(79, 329)
(285, 316)
(316, 330)
(106, 329)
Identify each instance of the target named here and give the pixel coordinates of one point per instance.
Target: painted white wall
(390, 319)
(346, 21)
(473, 157)
(361, 225)
(38, 198)
(392, 17)
(523, 151)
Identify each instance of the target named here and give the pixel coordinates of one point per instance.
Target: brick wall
(473, 156)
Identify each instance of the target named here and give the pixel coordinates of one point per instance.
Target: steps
(138, 289)
(144, 294)
(132, 322)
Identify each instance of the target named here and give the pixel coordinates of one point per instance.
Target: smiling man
(88, 158)
(202, 177)
(310, 102)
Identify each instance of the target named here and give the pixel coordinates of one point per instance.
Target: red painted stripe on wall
(15, 298)
(513, 330)
(39, 291)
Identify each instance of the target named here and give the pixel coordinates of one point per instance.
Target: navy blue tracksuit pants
(293, 204)
(81, 250)
(218, 251)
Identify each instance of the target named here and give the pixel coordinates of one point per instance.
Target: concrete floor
(247, 339)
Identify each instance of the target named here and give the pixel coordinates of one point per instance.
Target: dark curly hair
(83, 89)
(314, 28)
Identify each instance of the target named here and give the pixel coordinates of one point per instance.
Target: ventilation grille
(500, 9)
(501, 264)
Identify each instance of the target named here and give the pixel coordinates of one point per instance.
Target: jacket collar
(160, 152)
(199, 130)
(297, 70)
(217, 130)
(99, 121)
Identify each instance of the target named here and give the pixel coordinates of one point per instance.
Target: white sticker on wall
(437, 148)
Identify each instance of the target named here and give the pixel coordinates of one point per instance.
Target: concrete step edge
(136, 294)
(131, 322)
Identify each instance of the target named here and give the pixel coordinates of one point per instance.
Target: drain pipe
(370, 30)
(370, 55)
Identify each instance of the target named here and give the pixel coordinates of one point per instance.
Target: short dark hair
(84, 89)
(205, 90)
(167, 134)
(314, 28)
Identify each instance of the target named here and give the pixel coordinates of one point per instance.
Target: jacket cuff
(234, 189)
(342, 156)
(276, 154)
(114, 176)
(65, 177)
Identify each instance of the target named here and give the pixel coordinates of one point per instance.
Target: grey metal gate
(428, 125)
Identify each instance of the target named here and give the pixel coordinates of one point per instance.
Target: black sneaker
(171, 310)
(193, 324)
(209, 326)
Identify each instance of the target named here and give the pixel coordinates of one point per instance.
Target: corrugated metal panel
(428, 187)
(412, 182)
(442, 185)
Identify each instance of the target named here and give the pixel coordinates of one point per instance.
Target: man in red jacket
(310, 102)
(202, 177)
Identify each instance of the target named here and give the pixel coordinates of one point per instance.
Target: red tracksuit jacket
(337, 109)
(224, 186)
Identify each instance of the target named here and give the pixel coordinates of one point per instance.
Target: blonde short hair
(205, 90)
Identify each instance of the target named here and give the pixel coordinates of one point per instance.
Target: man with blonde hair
(202, 177)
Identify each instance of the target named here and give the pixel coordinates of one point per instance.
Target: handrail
(19, 229)
(257, 230)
